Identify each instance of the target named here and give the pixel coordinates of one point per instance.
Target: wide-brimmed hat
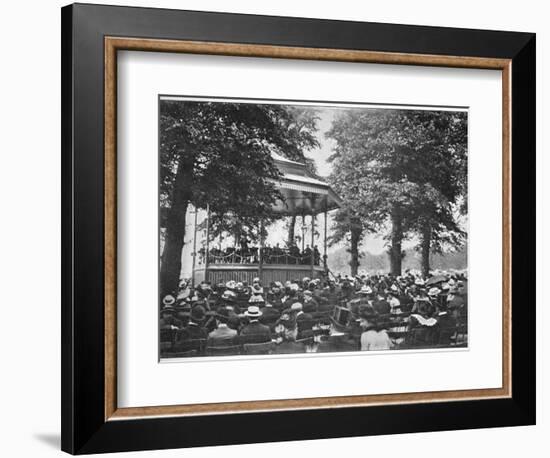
(168, 309)
(231, 284)
(297, 306)
(419, 282)
(253, 311)
(256, 280)
(294, 287)
(255, 298)
(168, 300)
(307, 292)
(365, 289)
(198, 313)
(229, 295)
(434, 291)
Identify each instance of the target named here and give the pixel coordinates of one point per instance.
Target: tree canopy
(219, 155)
(402, 169)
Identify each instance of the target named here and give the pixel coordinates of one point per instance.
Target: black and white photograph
(292, 227)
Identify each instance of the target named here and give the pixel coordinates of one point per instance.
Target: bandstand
(303, 195)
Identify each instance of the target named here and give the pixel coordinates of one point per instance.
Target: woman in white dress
(373, 337)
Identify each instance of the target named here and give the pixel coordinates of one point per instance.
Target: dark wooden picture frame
(91, 37)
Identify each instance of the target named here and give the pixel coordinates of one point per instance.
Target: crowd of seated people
(379, 312)
(269, 255)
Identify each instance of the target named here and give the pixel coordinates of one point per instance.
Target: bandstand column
(194, 248)
(207, 248)
(260, 251)
(312, 243)
(325, 243)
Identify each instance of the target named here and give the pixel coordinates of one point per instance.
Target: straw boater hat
(256, 298)
(365, 289)
(253, 311)
(434, 291)
(307, 292)
(296, 307)
(168, 300)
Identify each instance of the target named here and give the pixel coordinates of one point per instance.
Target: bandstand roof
(303, 193)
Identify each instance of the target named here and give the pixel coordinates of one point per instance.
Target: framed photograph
(281, 228)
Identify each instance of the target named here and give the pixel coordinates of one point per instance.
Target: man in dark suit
(193, 336)
(304, 321)
(223, 335)
(270, 315)
(254, 331)
(381, 306)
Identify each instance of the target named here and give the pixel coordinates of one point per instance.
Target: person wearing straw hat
(254, 331)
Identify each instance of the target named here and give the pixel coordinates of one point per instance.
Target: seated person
(373, 337)
(288, 332)
(304, 321)
(168, 314)
(446, 326)
(422, 325)
(381, 305)
(270, 315)
(254, 331)
(192, 337)
(310, 305)
(223, 335)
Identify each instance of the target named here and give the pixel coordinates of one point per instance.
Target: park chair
(232, 350)
(183, 354)
(265, 348)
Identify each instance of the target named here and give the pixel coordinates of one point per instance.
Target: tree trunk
(170, 269)
(425, 243)
(291, 231)
(354, 251)
(396, 238)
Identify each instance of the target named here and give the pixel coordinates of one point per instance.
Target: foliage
(407, 166)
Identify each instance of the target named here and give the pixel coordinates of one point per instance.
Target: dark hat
(198, 313)
(367, 312)
(222, 314)
(168, 310)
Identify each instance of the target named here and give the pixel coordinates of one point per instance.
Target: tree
(391, 159)
(218, 155)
